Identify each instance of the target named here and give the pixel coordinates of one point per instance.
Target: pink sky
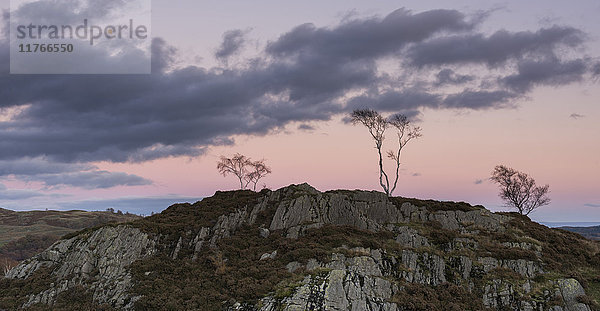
(456, 150)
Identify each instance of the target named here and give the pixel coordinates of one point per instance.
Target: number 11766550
(45, 48)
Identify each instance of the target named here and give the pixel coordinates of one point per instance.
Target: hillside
(300, 249)
(24, 234)
(592, 233)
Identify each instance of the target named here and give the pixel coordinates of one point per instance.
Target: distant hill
(24, 234)
(297, 248)
(592, 233)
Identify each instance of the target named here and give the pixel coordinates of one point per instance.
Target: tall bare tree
(519, 190)
(258, 170)
(406, 132)
(236, 165)
(377, 125)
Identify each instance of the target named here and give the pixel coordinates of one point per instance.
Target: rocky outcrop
(368, 210)
(425, 246)
(356, 283)
(98, 260)
(570, 290)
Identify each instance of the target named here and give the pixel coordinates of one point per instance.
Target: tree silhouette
(377, 125)
(519, 190)
(246, 170)
(258, 170)
(236, 165)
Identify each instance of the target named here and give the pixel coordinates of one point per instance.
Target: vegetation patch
(234, 271)
(446, 297)
(205, 213)
(13, 293)
(76, 298)
(566, 253)
(434, 206)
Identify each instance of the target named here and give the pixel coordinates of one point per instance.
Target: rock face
(98, 260)
(436, 248)
(356, 283)
(366, 210)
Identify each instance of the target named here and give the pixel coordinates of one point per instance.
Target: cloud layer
(14, 195)
(440, 60)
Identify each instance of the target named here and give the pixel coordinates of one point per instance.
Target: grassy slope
(592, 233)
(23, 234)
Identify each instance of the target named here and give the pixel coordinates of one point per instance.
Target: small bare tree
(237, 165)
(258, 170)
(246, 170)
(519, 190)
(377, 125)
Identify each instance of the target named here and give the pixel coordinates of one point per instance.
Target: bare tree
(237, 165)
(519, 190)
(246, 170)
(377, 125)
(406, 132)
(258, 170)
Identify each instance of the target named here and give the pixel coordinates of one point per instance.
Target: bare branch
(258, 170)
(377, 125)
(518, 190)
(236, 166)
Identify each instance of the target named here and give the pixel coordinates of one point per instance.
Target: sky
(508, 82)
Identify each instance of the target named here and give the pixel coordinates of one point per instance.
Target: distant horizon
(99, 206)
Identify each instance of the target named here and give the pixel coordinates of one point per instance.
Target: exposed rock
(199, 240)
(177, 248)
(423, 268)
(266, 256)
(570, 290)
(106, 253)
(355, 283)
(293, 266)
(499, 295)
(264, 232)
(409, 237)
(462, 243)
(525, 268)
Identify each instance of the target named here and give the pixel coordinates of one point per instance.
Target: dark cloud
(591, 205)
(495, 49)
(90, 180)
(448, 76)
(416, 174)
(576, 116)
(54, 174)
(163, 55)
(134, 205)
(367, 38)
(596, 69)
(306, 127)
(28, 166)
(480, 99)
(407, 102)
(14, 195)
(114, 56)
(545, 72)
(233, 41)
(306, 75)
(68, 12)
